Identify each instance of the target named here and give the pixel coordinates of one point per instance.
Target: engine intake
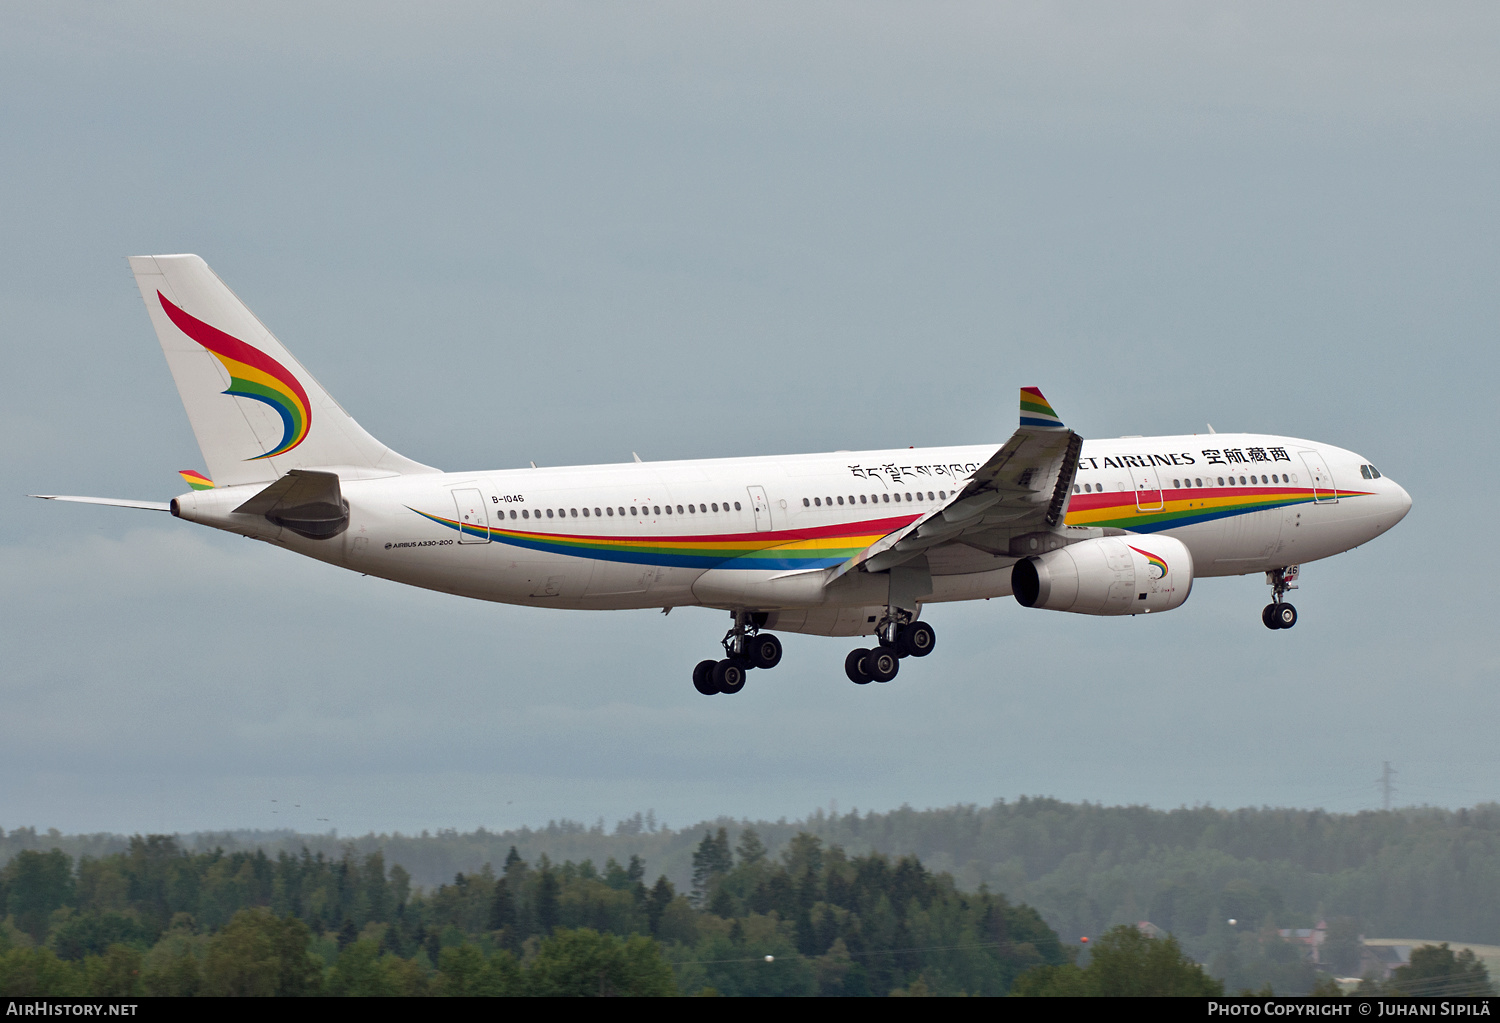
(1107, 576)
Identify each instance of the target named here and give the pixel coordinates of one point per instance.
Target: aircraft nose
(1400, 500)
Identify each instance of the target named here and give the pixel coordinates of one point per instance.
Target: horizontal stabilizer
(114, 502)
(306, 501)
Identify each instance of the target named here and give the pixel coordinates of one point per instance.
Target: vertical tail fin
(257, 413)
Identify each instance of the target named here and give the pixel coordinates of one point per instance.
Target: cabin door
(762, 508)
(473, 520)
(1147, 489)
(1320, 477)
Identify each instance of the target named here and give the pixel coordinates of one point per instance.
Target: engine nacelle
(1112, 575)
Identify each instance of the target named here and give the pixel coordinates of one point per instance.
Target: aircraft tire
(917, 640)
(1268, 617)
(882, 664)
(764, 651)
(729, 675)
(703, 678)
(854, 667)
(1286, 616)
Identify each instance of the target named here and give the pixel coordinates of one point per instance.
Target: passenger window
(1177, 484)
(585, 513)
(596, 513)
(525, 514)
(1197, 482)
(610, 512)
(716, 506)
(861, 498)
(851, 498)
(632, 510)
(622, 513)
(549, 513)
(841, 499)
(736, 506)
(908, 497)
(886, 498)
(656, 509)
(1221, 481)
(828, 501)
(930, 497)
(575, 512)
(1076, 488)
(512, 513)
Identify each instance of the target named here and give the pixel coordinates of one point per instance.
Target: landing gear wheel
(763, 651)
(1268, 616)
(1286, 616)
(703, 678)
(882, 664)
(916, 640)
(729, 675)
(854, 667)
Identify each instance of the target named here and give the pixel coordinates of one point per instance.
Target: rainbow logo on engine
(1153, 562)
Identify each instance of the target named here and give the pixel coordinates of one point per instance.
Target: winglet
(196, 480)
(1036, 411)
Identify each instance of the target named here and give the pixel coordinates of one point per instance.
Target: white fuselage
(760, 534)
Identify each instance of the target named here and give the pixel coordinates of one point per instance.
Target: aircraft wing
(1022, 488)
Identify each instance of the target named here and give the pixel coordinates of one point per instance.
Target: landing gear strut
(745, 647)
(900, 636)
(1278, 614)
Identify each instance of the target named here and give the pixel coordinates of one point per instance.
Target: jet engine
(1112, 575)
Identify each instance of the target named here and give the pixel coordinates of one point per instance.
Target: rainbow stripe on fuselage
(1188, 506)
(252, 374)
(787, 550)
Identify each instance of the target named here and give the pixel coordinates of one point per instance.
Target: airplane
(847, 543)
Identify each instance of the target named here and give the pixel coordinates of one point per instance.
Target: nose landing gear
(1278, 614)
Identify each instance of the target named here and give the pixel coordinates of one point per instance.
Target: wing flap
(1023, 487)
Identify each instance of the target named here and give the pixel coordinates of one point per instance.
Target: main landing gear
(898, 639)
(745, 647)
(1278, 614)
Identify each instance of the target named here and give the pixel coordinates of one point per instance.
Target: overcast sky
(564, 232)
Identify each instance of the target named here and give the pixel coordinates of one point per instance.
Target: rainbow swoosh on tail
(252, 374)
(786, 550)
(1036, 410)
(1153, 561)
(1187, 506)
(196, 480)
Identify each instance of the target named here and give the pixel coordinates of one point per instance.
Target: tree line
(159, 919)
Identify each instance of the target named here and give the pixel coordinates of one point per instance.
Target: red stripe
(881, 526)
(220, 343)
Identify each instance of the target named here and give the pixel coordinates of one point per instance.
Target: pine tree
(547, 891)
(657, 898)
(503, 907)
(711, 861)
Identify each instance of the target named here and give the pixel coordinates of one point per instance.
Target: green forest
(155, 919)
(961, 899)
